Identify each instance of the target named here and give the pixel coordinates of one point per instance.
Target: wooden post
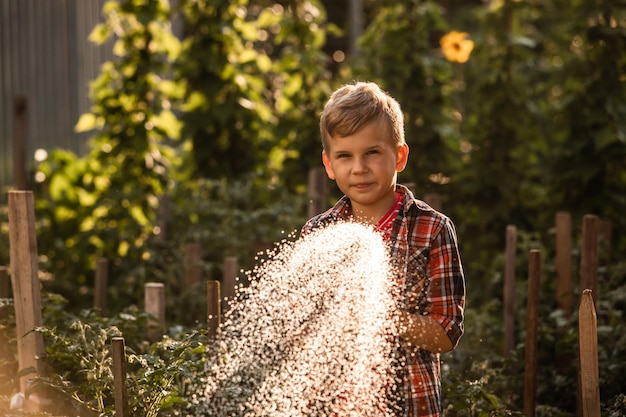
(101, 284)
(155, 305)
(118, 352)
(588, 352)
(355, 14)
(19, 142)
(564, 291)
(213, 308)
(25, 282)
(509, 289)
(433, 200)
(317, 191)
(229, 280)
(192, 263)
(532, 319)
(164, 214)
(589, 255)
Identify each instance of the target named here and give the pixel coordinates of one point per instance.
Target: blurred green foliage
(397, 51)
(255, 79)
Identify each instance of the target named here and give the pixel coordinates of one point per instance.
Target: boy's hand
(423, 332)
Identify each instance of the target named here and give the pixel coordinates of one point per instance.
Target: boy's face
(365, 167)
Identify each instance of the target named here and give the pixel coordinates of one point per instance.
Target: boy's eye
(342, 155)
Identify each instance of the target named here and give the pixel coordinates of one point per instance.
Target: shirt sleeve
(447, 286)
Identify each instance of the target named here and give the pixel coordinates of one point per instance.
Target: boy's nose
(359, 166)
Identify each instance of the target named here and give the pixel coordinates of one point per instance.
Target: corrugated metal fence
(46, 59)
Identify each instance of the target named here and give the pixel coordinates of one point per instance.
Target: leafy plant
(78, 363)
(105, 204)
(9, 382)
(166, 379)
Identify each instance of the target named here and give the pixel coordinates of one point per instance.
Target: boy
(362, 131)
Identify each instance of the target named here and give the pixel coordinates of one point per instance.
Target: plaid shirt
(424, 249)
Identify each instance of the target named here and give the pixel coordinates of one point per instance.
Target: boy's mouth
(362, 185)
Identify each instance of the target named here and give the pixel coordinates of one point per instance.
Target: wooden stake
(564, 291)
(509, 290)
(164, 214)
(317, 191)
(355, 13)
(25, 281)
(213, 308)
(155, 305)
(118, 352)
(192, 264)
(434, 200)
(101, 284)
(532, 319)
(229, 280)
(20, 142)
(588, 350)
(589, 255)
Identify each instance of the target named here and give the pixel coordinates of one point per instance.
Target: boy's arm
(439, 328)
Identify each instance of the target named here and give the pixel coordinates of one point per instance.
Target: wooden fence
(595, 235)
(24, 278)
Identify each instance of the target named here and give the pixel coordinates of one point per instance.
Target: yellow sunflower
(456, 47)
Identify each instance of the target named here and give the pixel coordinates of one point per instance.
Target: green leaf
(491, 399)
(248, 30)
(283, 104)
(293, 85)
(137, 213)
(171, 89)
(61, 188)
(85, 198)
(267, 18)
(247, 55)
(86, 122)
(264, 62)
(196, 100)
(100, 33)
(168, 123)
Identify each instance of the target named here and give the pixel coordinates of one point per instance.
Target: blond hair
(353, 106)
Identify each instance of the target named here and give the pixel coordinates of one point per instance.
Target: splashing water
(311, 334)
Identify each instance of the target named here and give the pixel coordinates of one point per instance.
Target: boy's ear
(402, 157)
(329, 168)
